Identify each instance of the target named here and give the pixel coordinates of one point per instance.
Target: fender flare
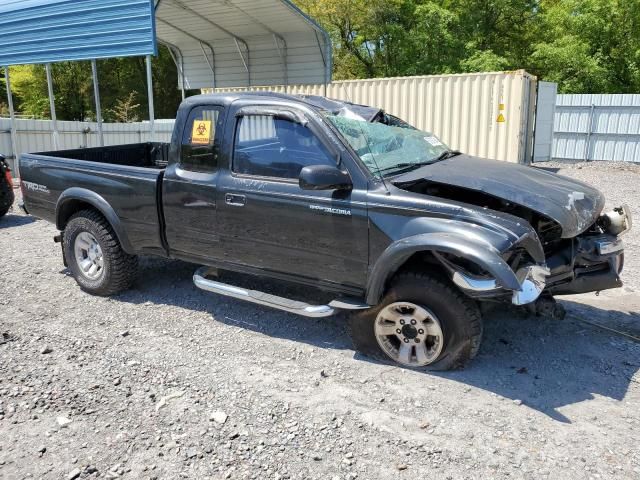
(399, 252)
(100, 204)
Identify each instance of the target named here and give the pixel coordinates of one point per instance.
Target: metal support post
(52, 104)
(180, 66)
(150, 94)
(12, 115)
(96, 93)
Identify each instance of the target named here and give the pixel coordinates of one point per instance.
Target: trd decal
(334, 211)
(34, 187)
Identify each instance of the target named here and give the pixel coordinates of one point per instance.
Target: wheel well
(70, 207)
(418, 262)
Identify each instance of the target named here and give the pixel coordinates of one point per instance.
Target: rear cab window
(200, 145)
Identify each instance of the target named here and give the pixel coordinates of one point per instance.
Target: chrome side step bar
(261, 298)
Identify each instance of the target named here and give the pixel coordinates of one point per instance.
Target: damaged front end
(575, 248)
(531, 282)
(591, 261)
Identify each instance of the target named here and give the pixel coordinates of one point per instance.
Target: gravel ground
(166, 381)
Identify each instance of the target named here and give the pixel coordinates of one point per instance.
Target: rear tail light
(7, 175)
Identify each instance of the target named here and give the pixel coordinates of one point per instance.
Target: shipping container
(489, 115)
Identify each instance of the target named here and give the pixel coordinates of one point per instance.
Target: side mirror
(324, 177)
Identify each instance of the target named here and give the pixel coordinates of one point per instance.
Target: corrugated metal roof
(232, 43)
(47, 31)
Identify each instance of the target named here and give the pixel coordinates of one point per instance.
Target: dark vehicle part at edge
(6, 187)
(413, 252)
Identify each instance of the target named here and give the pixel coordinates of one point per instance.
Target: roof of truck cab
(315, 101)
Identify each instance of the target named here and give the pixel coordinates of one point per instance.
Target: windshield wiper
(407, 167)
(404, 167)
(446, 154)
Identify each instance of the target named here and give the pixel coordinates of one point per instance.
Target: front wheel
(95, 256)
(422, 321)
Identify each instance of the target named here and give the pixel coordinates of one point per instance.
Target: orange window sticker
(201, 134)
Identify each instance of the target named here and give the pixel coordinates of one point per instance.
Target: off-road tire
(459, 317)
(6, 196)
(120, 268)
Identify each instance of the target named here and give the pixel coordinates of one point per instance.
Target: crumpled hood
(573, 204)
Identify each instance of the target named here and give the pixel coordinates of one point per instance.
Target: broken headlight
(617, 221)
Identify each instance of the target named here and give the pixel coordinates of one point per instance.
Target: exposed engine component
(617, 221)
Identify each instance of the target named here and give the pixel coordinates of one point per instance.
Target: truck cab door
(268, 222)
(189, 186)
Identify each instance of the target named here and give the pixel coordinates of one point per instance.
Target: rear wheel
(422, 321)
(95, 256)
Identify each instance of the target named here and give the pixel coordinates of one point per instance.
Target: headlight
(617, 221)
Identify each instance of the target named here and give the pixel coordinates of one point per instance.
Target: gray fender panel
(398, 252)
(99, 204)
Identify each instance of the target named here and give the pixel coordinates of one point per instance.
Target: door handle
(235, 200)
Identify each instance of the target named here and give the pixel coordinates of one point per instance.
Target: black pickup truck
(340, 197)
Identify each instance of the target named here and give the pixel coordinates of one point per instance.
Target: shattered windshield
(388, 149)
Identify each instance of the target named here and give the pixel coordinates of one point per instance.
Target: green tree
(584, 45)
(4, 103)
(484, 61)
(498, 31)
(118, 79)
(593, 46)
(28, 95)
(125, 109)
(417, 37)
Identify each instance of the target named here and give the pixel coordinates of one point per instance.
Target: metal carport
(215, 43)
(231, 43)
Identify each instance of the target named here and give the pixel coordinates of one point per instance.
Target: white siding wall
(37, 135)
(462, 110)
(597, 127)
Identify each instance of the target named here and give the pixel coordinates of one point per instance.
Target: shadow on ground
(545, 364)
(12, 220)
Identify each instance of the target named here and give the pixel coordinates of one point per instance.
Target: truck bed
(125, 177)
(146, 155)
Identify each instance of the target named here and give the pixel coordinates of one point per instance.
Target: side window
(272, 147)
(200, 145)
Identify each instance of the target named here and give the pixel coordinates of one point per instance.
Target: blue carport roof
(47, 31)
(216, 43)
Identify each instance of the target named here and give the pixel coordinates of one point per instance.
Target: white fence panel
(545, 112)
(489, 115)
(37, 135)
(597, 127)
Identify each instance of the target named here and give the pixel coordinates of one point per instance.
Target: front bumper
(531, 280)
(589, 262)
(595, 266)
(532, 283)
